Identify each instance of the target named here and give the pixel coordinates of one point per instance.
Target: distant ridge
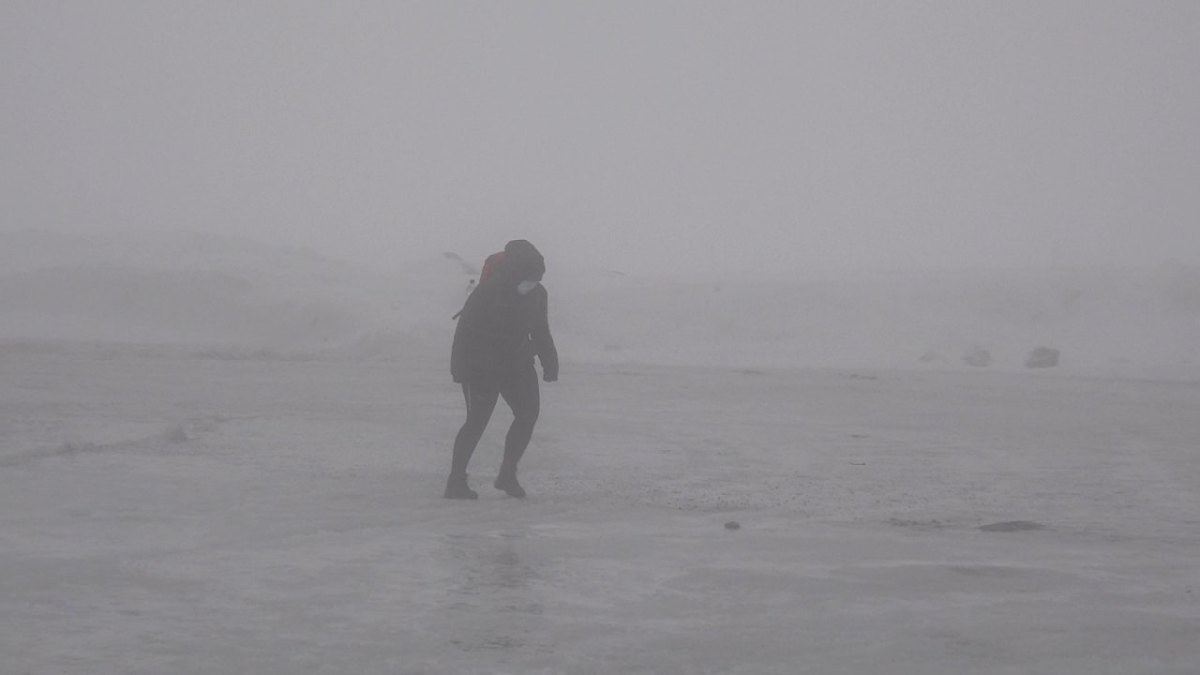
(206, 292)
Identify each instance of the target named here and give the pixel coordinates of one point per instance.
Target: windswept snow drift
(228, 295)
(206, 293)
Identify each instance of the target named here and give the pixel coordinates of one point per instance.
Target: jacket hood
(524, 261)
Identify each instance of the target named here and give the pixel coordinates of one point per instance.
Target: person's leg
(481, 401)
(522, 395)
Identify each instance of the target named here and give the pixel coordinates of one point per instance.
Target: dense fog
(877, 326)
(672, 139)
(231, 297)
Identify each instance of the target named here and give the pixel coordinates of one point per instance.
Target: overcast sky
(737, 138)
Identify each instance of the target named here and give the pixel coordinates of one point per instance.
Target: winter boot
(457, 488)
(507, 481)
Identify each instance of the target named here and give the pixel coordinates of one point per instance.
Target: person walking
(504, 324)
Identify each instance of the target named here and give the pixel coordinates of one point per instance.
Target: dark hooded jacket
(500, 330)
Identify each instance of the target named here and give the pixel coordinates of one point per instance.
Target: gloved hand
(550, 376)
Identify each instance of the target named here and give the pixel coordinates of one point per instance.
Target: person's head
(523, 262)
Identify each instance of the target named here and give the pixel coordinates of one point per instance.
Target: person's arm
(543, 342)
(464, 335)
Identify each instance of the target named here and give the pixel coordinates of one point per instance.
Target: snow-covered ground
(163, 513)
(218, 456)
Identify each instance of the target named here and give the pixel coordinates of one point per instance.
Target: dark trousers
(520, 392)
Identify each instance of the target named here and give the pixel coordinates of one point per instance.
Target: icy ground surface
(171, 515)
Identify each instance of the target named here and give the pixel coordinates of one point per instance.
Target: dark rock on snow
(1042, 357)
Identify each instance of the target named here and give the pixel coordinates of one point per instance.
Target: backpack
(493, 263)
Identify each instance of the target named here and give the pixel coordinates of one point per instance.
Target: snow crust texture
(170, 514)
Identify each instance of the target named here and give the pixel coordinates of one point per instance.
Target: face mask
(525, 286)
